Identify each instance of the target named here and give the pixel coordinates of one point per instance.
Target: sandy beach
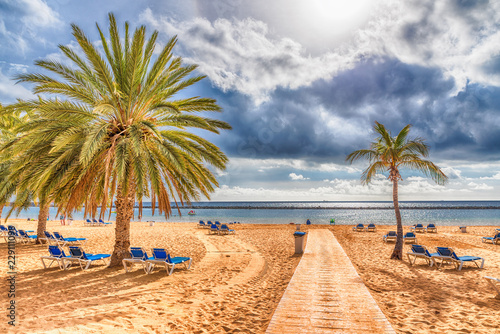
(236, 282)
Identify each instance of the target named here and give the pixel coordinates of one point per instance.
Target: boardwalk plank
(326, 294)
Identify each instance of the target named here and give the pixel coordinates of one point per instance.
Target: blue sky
(302, 83)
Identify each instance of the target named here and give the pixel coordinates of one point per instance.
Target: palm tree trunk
(43, 214)
(124, 204)
(398, 249)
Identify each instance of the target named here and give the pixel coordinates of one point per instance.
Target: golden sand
(236, 282)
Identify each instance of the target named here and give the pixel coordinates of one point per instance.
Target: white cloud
(337, 189)
(415, 178)
(494, 177)
(8, 88)
(20, 31)
(420, 185)
(452, 173)
(244, 55)
(18, 68)
(479, 186)
(436, 34)
(38, 14)
(220, 173)
(302, 165)
(297, 177)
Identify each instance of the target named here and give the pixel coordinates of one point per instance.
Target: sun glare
(324, 22)
(337, 14)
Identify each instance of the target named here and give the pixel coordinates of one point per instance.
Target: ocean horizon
(319, 212)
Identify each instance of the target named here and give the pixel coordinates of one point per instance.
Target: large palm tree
(389, 154)
(115, 130)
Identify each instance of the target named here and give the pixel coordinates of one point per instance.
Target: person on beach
(63, 219)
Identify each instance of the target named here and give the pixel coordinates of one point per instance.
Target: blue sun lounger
(447, 255)
(84, 259)
(359, 228)
(224, 229)
(56, 255)
(431, 228)
(137, 255)
(418, 228)
(49, 238)
(371, 228)
(419, 251)
(161, 257)
(410, 237)
(201, 224)
(60, 239)
(104, 223)
(214, 229)
(494, 239)
(13, 232)
(390, 236)
(26, 237)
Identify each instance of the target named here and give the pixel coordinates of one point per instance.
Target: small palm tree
(10, 120)
(115, 131)
(389, 154)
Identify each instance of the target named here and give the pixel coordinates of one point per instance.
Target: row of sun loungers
(94, 222)
(76, 254)
(160, 258)
(361, 228)
(408, 237)
(216, 228)
(137, 256)
(23, 236)
(445, 254)
(431, 228)
(57, 239)
(51, 238)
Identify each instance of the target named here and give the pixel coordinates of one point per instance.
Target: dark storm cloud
(492, 65)
(293, 125)
(422, 30)
(375, 81)
(468, 5)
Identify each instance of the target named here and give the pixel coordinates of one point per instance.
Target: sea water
(344, 213)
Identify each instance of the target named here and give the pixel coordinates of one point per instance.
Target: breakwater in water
(249, 207)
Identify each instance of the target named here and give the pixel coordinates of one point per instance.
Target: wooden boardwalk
(326, 294)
